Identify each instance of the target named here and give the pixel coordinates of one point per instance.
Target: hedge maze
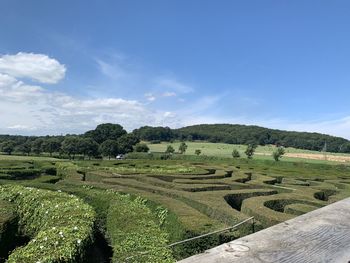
(217, 196)
(140, 206)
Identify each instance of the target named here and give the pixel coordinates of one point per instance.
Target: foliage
(51, 145)
(109, 148)
(250, 151)
(278, 153)
(61, 225)
(141, 147)
(170, 149)
(88, 146)
(142, 241)
(126, 143)
(106, 131)
(235, 153)
(197, 152)
(148, 133)
(7, 147)
(182, 147)
(70, 145)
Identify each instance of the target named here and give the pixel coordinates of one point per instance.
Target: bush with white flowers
(60, 225)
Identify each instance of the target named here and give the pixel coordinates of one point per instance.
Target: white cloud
(150, 97)
(169, 94)
(37, 67)
(29, 109)
(173, 84)
(113, 71)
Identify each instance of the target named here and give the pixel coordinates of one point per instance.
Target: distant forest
(111, 139)
(246, 134)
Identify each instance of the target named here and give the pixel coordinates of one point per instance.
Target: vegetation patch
(141, 241)
(8, 229)
(60, 225)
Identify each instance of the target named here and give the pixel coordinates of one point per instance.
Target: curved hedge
(60, 225)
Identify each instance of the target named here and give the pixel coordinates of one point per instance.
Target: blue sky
(66, 66)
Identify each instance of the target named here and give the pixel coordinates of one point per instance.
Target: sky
(67, 66)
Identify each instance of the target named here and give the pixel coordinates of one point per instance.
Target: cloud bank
(37, 67)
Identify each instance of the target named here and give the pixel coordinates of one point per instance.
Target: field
(135, 208)
(262, 152)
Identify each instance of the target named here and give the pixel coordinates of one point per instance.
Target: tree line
(105, 140)
(111, 139)
(246, 134)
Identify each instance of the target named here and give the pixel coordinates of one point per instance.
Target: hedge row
(134, 232)
(270, 210)
(68, 170)
(60, 225)
(20, 174)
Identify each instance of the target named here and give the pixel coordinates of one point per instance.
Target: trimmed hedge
(20, 174)
(139, 241)
(60, 225)
(299, 209)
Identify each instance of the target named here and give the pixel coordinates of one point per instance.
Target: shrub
(60, 225)
(141, 147)
(235, 153)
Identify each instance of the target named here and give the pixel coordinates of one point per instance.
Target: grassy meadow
(224, 150)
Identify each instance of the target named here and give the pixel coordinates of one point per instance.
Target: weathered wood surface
(322, 235)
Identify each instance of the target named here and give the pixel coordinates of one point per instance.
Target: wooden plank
(322, 235)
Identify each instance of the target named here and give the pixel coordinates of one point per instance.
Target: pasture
(262, 152)
(130, 210)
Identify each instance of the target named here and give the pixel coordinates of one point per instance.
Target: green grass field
(225, 151)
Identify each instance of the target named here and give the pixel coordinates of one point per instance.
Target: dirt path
(315, 156)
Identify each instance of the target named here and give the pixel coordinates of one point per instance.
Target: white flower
(46, 212)
(75, 228)
(53, 227)
(56, 206)
(41, 247)
(59, 191)
(78, 241)
(45, 238)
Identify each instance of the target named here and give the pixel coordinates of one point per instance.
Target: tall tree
(126, 143)
(109, 148)
(88, 147)
(250, 151)
(182, 147)
(106, 131)
(36, 146)
(278, 153)
(8, 147)
(170, 149)
(51, 145)
(24, 148)
(70, 146)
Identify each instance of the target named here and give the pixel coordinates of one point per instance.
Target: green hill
(246, 134)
